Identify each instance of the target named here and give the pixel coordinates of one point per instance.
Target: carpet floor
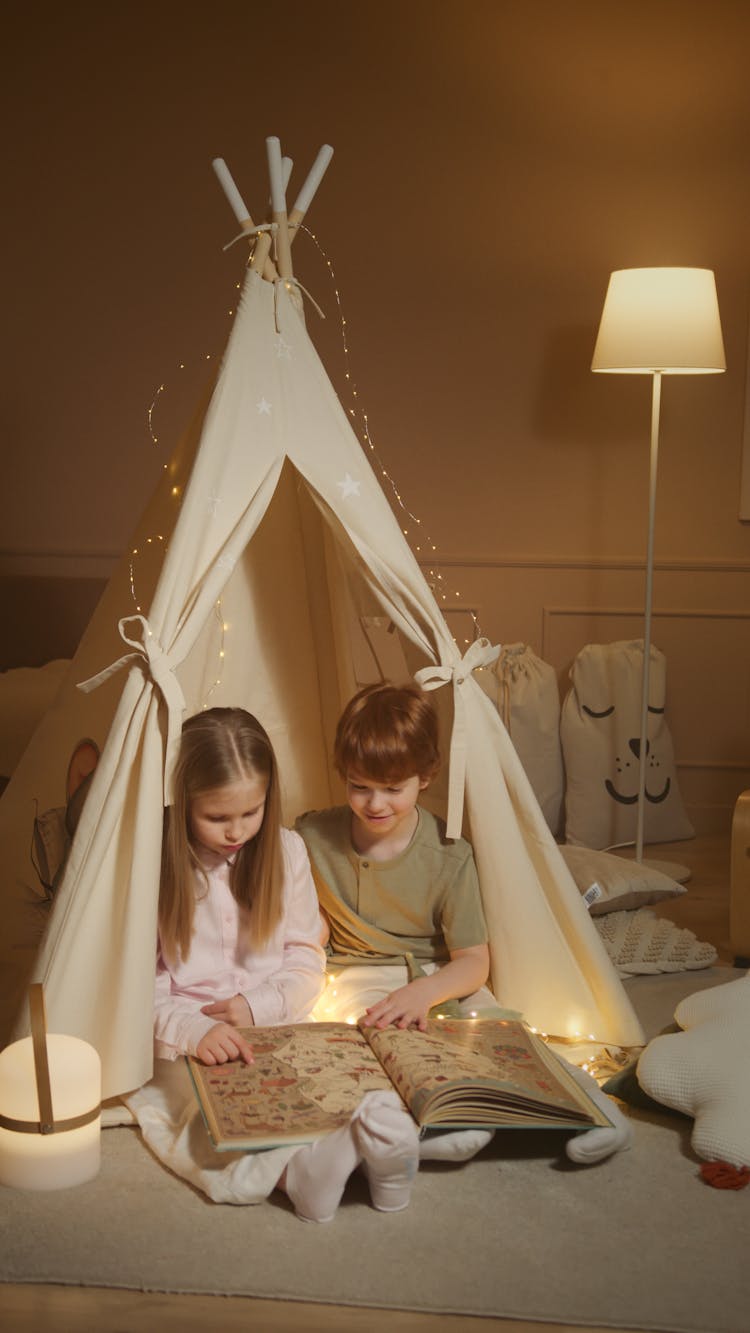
(638, 1241)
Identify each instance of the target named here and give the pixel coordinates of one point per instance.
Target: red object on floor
(724, 1176)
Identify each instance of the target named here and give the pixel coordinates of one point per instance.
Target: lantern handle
(41, 1063)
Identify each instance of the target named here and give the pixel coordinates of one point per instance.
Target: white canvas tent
(270, 515)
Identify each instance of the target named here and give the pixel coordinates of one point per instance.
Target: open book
(308, 1078)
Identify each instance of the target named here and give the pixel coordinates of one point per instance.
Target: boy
(399, 895)
(396, 892)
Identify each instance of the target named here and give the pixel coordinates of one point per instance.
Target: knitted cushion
(704, 1071)
(641, 944)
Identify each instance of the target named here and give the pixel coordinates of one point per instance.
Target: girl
(239, 932)
(238, 918)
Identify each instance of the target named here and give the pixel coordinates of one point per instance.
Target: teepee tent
(284, 581)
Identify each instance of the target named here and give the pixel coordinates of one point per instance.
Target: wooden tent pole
(262, 253)
(307, 193)
(261, 260)
(280, 170)
(278, 205)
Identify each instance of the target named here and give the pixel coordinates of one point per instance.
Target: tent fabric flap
(280, 517)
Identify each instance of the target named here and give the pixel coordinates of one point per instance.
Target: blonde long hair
(218, 747)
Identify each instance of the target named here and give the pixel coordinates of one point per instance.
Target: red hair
(388, 733)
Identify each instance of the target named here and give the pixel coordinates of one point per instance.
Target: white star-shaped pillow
(704, 1070)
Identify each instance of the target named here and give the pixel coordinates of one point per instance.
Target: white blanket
(170, 1120)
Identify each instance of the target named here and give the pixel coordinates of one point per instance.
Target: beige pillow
(25, 695)
(614, 884)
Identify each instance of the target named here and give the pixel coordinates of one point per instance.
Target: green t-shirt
(425, 902)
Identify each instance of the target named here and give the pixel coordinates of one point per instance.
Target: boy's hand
(403, 1008)
(235, 1011)
(222, 1043)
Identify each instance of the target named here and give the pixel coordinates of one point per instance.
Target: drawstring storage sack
(528, 700)
(600, 728)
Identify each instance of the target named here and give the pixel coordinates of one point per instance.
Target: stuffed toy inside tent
(279, 580)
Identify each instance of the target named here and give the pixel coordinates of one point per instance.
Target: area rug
(636, 1242)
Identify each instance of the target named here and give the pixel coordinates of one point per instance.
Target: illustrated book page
(308, 1078)
(481, 1072)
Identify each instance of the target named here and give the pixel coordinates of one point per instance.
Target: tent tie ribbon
(251, 231)
(286, 284)
(151, 658)
(481, 653)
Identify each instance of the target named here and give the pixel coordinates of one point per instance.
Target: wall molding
(585, 563)
(549, 613)
(53, 563)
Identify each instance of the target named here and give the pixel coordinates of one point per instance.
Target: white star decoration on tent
(213, 503)
(264, 407)
(226, 562)
(348, 487)
(283, 348)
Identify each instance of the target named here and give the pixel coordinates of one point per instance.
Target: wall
(488, 175)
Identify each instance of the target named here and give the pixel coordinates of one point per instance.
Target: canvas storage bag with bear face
(600, 727)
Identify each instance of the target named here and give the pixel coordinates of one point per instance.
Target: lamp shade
(660, 319)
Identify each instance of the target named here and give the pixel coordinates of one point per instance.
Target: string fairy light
(425, 545)
(162, 387)
(602, 1063)
(219, 615)
(134, 554)
(176, 492)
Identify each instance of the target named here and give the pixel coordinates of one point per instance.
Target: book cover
(308, 1078)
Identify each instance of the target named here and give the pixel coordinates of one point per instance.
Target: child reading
(239, 931)
(395, 891)
(402, 902)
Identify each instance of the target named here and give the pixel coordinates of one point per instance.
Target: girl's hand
(406, 1007)
(222, 1043)
(235, 1011)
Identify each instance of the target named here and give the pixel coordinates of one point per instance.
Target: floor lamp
(657, 321)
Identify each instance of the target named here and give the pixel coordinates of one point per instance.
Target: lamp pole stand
(643, 747)
(657, 321)
(675, 871)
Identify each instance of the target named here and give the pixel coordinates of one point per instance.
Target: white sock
(596, 1144)
(316, 1175)
(455, 1145)
(388, 1141)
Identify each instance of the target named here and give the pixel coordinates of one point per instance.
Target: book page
(479, 1071)
(307, 1080)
